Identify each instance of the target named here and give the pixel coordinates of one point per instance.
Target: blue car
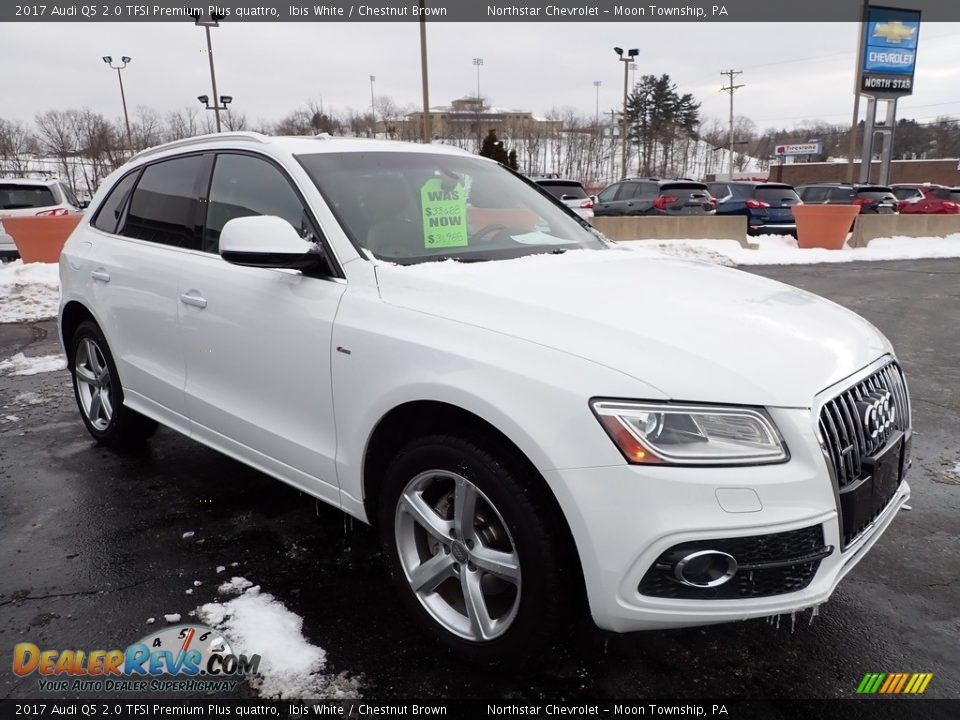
(768, 206)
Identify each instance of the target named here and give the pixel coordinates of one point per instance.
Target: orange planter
(40, 239)
(824, 226)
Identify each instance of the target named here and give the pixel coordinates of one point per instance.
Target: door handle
(193, 298)
(101, 275)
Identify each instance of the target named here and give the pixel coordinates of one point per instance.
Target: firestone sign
(890, 51)
(813, 148)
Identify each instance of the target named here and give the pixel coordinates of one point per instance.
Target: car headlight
(677, 434)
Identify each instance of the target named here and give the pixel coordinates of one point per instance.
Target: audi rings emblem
(877, 413)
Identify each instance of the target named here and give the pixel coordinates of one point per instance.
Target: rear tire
(99, 394)
(474, 552)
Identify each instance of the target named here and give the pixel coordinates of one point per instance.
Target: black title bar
(764, 11)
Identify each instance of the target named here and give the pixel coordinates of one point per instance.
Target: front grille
(852, 442)
(845, 438)
(768, 565)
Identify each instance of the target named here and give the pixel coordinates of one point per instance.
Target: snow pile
(783, 250)
(29, 292)
(290, 667)
(20, 364)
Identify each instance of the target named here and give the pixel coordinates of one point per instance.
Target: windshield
(410, 207)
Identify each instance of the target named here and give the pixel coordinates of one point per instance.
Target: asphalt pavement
(91, 546)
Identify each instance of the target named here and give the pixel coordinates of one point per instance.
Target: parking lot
(92, 545)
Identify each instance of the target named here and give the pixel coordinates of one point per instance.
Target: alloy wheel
(458, 556)
(94, 386)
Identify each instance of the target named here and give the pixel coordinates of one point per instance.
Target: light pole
(126, 118)
(627, 61)
(478, 62)
(373, 107)
(596, 117)
(214, 21)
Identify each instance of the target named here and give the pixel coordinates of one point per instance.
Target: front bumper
(624, 517)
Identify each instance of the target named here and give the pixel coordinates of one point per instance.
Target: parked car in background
(8, 249)
(768, 207)
(569, 192)
(927, 199)
(23, 197)
(654, 196)
(875, 199)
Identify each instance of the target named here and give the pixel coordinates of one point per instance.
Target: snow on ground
(20, 364)
(290, 667)
(783, 250)
(29, 292)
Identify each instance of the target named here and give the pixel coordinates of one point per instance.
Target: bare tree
(17, 145)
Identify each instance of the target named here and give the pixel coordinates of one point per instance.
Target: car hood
(695, 331)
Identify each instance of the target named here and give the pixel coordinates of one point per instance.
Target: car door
(257, 340)
(605, 199)
(134, 263)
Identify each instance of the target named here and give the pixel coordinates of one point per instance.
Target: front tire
(99, 394)
(474, 551)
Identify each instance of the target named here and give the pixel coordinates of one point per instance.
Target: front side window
(108, 216)
(608, 193)
(22, 197)
(164, 206)
(410, 207)
(243, 185)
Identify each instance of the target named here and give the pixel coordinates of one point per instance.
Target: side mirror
(595, 199)
(266, 241)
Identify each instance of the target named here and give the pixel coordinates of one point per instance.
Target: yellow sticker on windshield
(444, 215)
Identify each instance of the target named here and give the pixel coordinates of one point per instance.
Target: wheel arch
(417, 418)
(71, 316)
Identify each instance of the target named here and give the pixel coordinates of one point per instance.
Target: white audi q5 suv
(536, 419)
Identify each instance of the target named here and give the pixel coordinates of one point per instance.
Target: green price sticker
(444, 215)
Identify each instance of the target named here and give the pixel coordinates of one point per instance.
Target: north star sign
(890, 51)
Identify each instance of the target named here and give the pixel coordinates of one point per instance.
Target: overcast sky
(793, 72)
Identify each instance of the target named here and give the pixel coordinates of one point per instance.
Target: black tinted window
(608, 193)
(558, 190)
(628, 190)
(164, 205)
(110, 209)
(875, 194)
(776, 194)
(18, 197)
(718, 190)
(244, 185)
(907, 193)
(841, 194)
(940, 193)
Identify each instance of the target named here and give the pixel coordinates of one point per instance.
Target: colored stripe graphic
(894, 683)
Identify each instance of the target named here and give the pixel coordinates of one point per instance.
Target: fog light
(706, 568)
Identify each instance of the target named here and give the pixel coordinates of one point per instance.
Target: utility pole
(731, 88)
(613, 154)
(426, 130)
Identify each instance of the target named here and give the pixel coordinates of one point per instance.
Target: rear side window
(940, 193)
(21, 197)
(108, 216)
(164, 206)
(558, 190)
(907, 193)
(243, 185)
(718, 190)
(68, 194)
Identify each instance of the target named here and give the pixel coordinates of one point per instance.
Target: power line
(731, 88)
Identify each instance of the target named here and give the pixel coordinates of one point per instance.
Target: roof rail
(187, 142)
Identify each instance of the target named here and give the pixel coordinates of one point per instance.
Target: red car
(927, 199)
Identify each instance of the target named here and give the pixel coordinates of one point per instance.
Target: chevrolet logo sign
(893, 31)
